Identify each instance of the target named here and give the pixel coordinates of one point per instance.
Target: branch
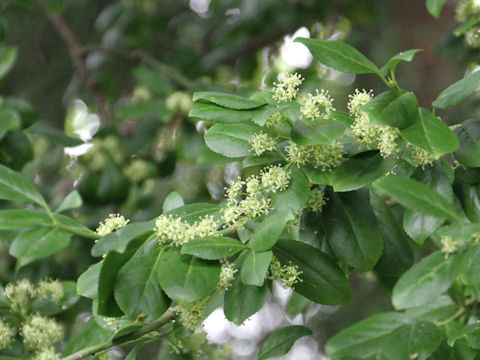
(74, 49)
(168, 316)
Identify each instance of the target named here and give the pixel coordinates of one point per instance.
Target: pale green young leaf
(72, 201)
(87, 282)
(228, 100)
(394, 60)
(213, 247)
(172, 201)
(458, 92)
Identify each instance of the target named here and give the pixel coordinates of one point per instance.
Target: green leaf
(320, 131)
(468, 133)
(185, 278)
(395, 107)
(87, 282)
(397, 256)
(71, 201)
(118, 241)
(218, 114)
(263, 115)
(425, 281)
(231, 140)
(418, 339)
(366, 337)
(193, 212)
(434, 7)
(322, 281)
(431, 134)
(339, 56)
(137, 290)
(9, 120)
(458, 92)
(255, 267)
(54, 6)
(213, 247)
(401, 56)
(439, 309)
(351, 229)
(74, 227)
(14, 186)
(469, 196)
(242, 301)
(269, 231)
(467, 25)
(8, 56)
(470, 266)
(297, 304)
(354, 173)
(471, 333)
(38, 243)
(281, 341)
(228, 100)
(295, 197)
(18, 219)
(172, 202)
(90, 334)
(417, 196)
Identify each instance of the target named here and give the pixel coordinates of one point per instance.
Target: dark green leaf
(431, 134)
(8, 56)
(417, 196)
(470, 266)
(38, 243)
(365, 338)
(228, 100)
(351, 229)
(401, 56)
(218, 114)
(468, 133)
(322, 281)
(17, 219)
(242, 301)
(434, 7)
(212, 247)
(395, 107)
(339, 56)
(281, 341)
(172, 201)
(425, 281)
(255, 267)
(231, 140)
(185, 278)
(87, 282)
(14, 186)
(320, 131)
(458, 92)
(137, 290)
(9, 120)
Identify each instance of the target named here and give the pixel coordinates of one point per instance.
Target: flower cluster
(325, 156)
(114, 222)
(191, 313)
(50, 289)
(262, 142)
(40, 333)
(174, 231)
(20, 294)
(467, 9)
(287, 87)
(449, 246)
(298, 155)
(6, 335)
(274, 120)
(287, 274)
(319, 105)
(420, 157)
(47, 354)
(316, 200)
(227, 273)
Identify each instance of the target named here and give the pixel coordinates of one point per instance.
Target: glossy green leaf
(255, 267)
(469, 196)
(71, 201)
(401, 56)
(218, 114)
(263, 115)
(425, 281)
(471, 333)
(74, 227)
(395, 107)
(470, 266)
(322, 281)
(320, 131)
(213, 247)
(434, 7)
(228, 100)
(418, 339)
(87, 282)
(468, 133)
(269, 231)
(9, 120)
(417, 196)
(18, 219)
(38, 243)
(242, 301)
(137, 290)
(281, 341)
(8, 56)
(172, 202)
(351, 229)
(295, 196)
(355, 172)
(431, 134)
(185, 278)
(397, 256)
(458, 92)
(194, 212)
(439, 309)
(339, 56)
(90, 334)
(231, 140)
(366, 337)
(14, 186)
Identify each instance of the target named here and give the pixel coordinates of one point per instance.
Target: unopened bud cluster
(21, 294)
(287, 274)
(316, 200)
(321, 155)
(191, 313)
(261, 143)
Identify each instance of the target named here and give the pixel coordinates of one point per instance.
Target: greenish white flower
(40, 333)
(421, 157)
(449, 246)
(231, 213)
(387, 140)
(253, 206)
(364, 131)
(20, 294)
(227, 274)
(318, 105)
(357, 100)
(299, 155)
(50, 289)
(191, 313)
(47, 354)
(235, 190)
(289, 275)
(114, 222)
(170, 230)
(261, 142)
(287, 87)
(6, 335)
(274, 120)
(275, 178)
(254, 186)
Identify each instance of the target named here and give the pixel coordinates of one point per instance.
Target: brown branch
(75, 51)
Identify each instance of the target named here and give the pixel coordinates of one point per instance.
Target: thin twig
(75, 51)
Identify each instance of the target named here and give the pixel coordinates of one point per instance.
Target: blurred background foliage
(95, 95)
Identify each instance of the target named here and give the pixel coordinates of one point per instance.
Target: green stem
(457, 314)
(168, 316)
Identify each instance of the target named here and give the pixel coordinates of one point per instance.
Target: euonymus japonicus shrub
(327, 192)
